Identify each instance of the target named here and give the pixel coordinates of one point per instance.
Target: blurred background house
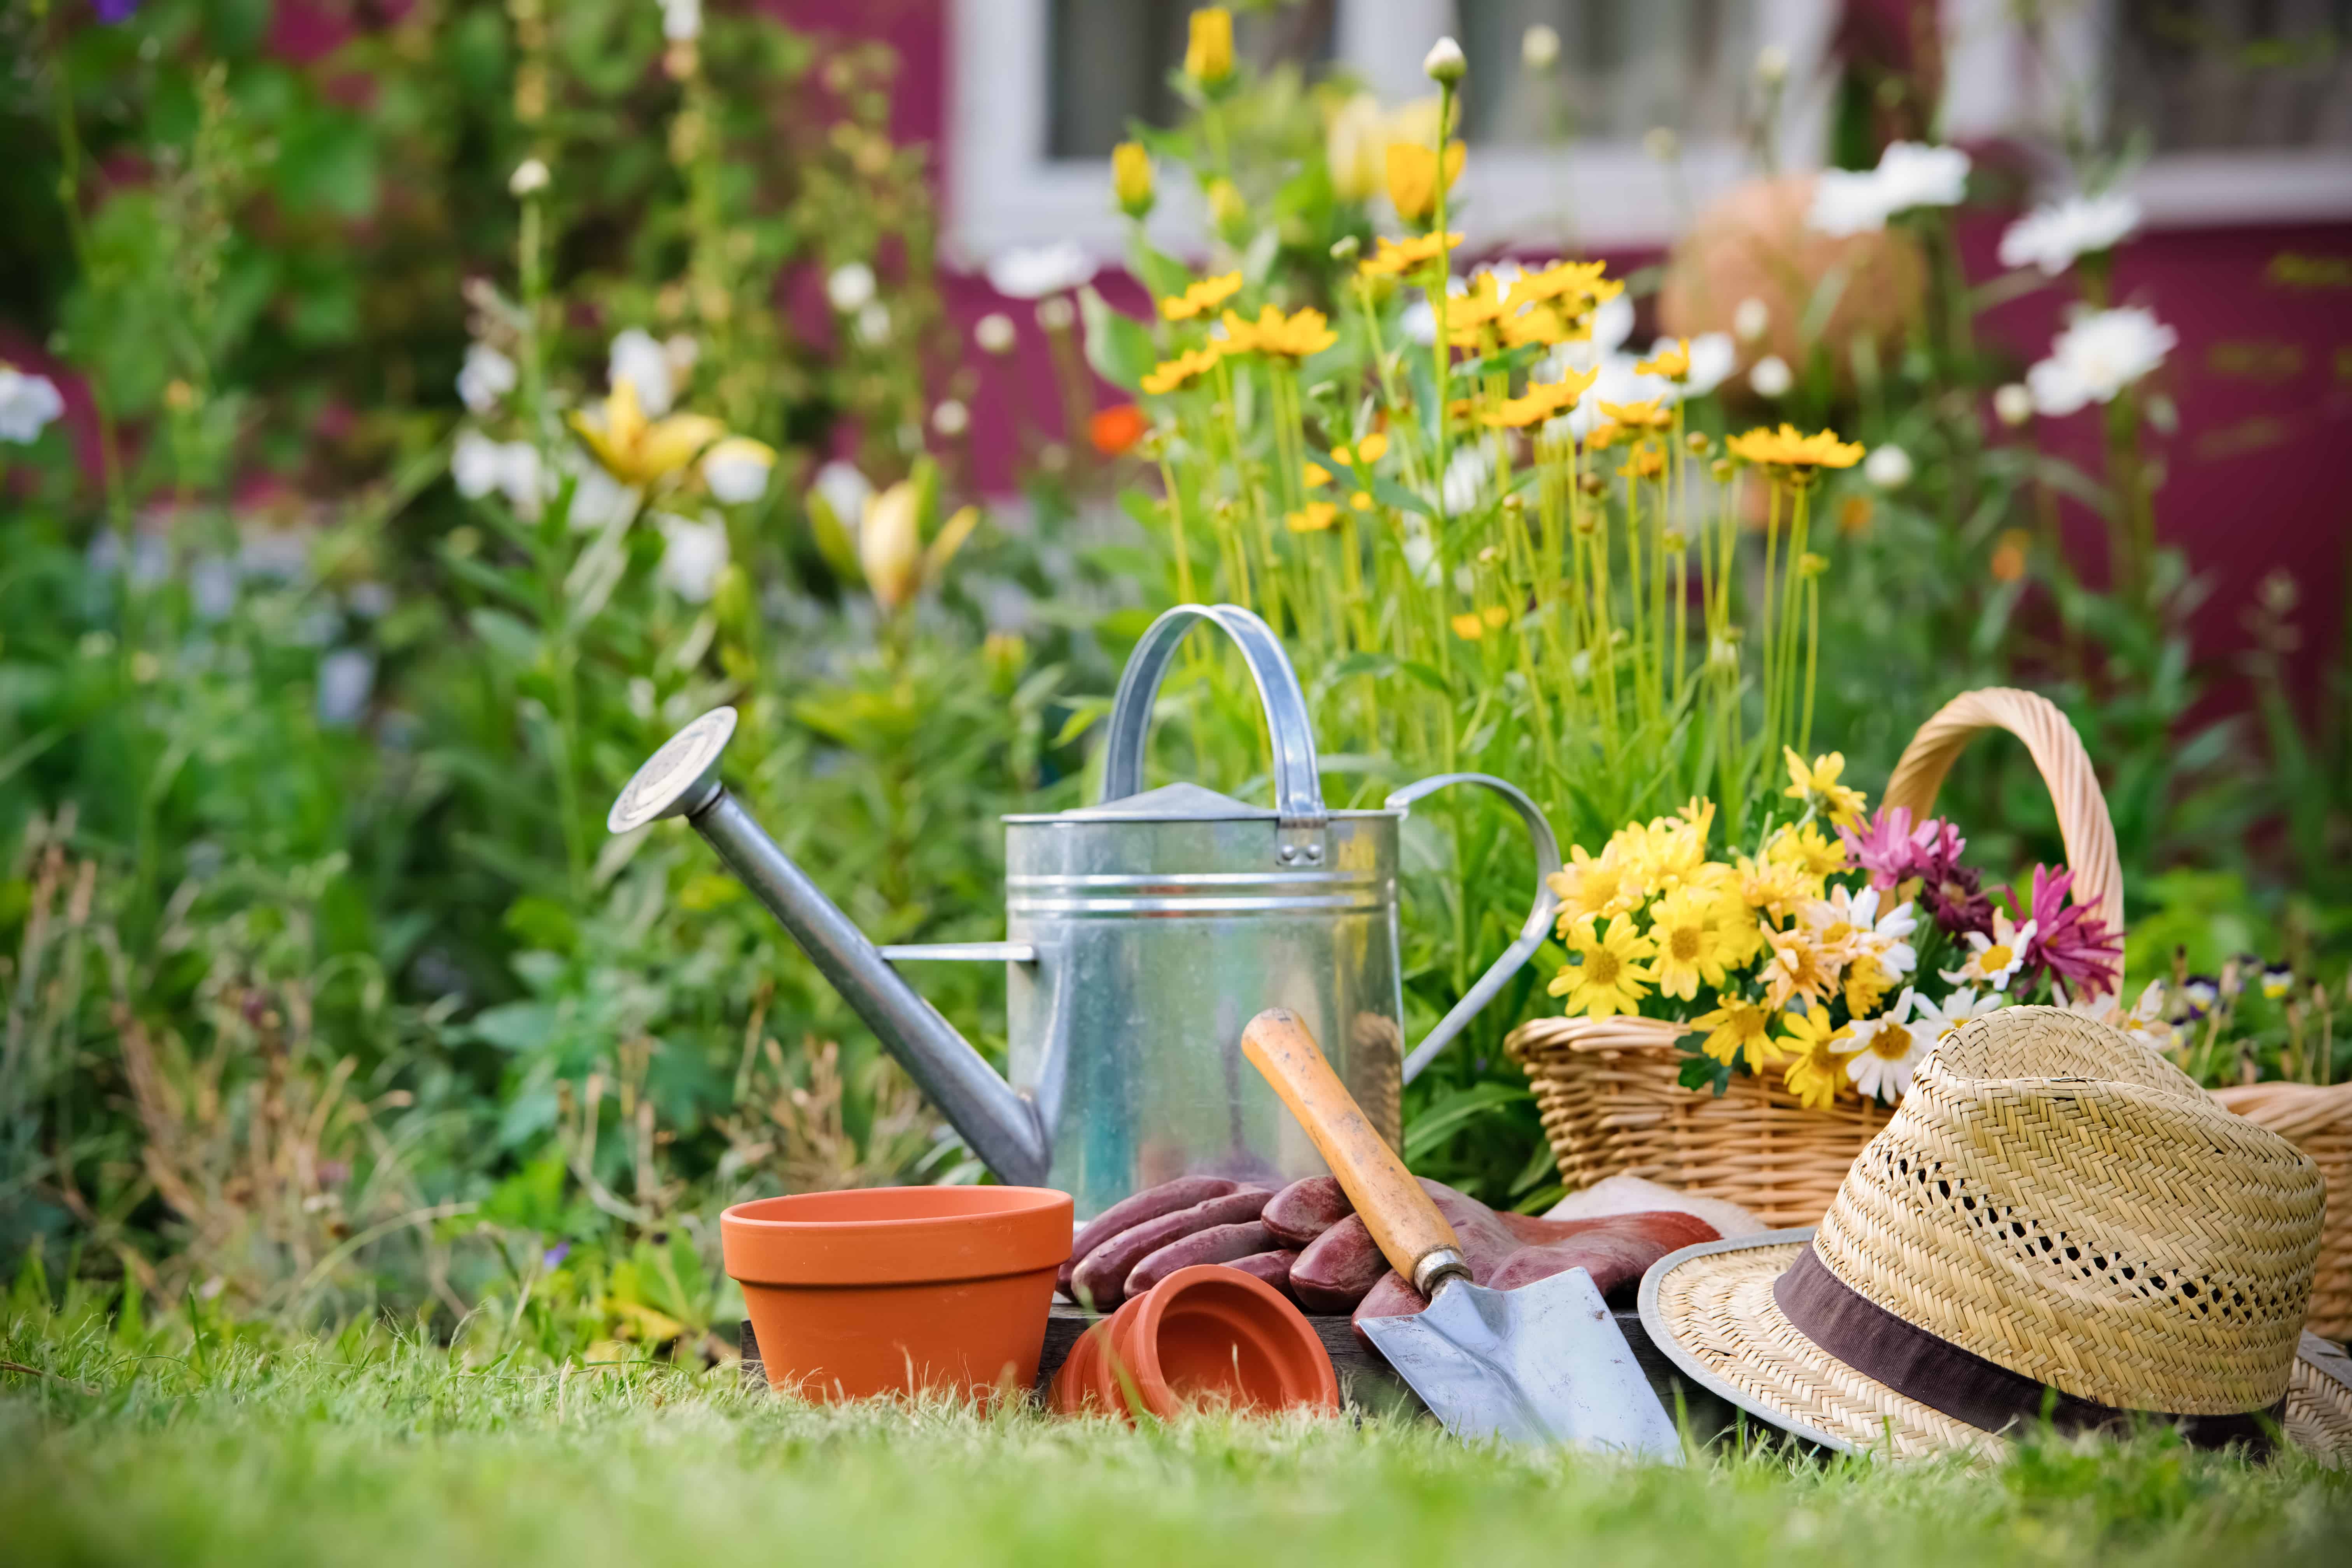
(2236, 116)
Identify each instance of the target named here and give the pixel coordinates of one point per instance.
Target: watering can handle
(1298, 789)
(1531, 934)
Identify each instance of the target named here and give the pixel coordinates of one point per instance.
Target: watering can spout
(1011, 1132)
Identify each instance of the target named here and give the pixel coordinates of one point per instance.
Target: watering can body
(1143, 933)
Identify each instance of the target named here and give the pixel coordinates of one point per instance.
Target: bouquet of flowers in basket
(1834, 952)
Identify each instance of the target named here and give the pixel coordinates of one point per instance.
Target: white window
(2249, 101)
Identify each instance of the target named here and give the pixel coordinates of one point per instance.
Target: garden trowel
(1542, 1363)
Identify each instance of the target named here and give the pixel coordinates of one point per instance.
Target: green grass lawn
(259, 1448)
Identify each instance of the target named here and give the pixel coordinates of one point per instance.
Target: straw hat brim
(1710, 1311)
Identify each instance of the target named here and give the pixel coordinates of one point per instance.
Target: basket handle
(2083, 821)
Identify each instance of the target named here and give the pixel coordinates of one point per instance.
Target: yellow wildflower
(1673, 363)
(1686, 927)
(1647, 416)
(1169, 374)
(1362, 501)
(1813, 1078)
(1316, 474)
(1303, 332)
(1130, 178)
(1587, 886)
(1413, 173)
(1394, 258)
(1201, 298)
(1773, 887)
(1313, 518)
(1541, 400)
(1209, 51)
(1373, 448)
(1603, 435)
(1609, 977)
(1810, 850)
(1740, 1028)
(634, 450)
(1535, 324)
(1646, 461)
(1818, 788)
(1786, 447)
(1867, 982)
(1472, 625)
(1579, 281)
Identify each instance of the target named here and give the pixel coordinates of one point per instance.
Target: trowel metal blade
(1543, 1363)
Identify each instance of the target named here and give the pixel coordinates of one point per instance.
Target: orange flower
(2008, 556)
(1113, 430)
(1854, 515)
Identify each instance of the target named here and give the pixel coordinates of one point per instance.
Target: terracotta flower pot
(896, 1290)
(1210, 1334)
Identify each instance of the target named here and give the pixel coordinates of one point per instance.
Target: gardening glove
(1140, 1240)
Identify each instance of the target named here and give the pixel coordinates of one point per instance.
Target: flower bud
(889, 545)
(1209, 51)
(1444, 64)
(1130, 178)
(530, 178)
(2012, 404)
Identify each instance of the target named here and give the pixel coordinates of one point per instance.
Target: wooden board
(1366, 1382)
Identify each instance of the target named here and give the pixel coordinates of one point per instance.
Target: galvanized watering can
(1143, 933)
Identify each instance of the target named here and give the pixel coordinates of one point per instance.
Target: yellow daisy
(1818, 788)
(1686, 927)
(1738, 1027)
(1786, 447)
(1813, 1078)
(1611, 977)
(1201, 298)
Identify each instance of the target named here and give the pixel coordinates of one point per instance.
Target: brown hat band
(1961, 1384)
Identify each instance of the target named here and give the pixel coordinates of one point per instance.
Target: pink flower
(2070, 941)
(1893, 851)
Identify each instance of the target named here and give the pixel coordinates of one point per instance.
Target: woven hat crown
(2059, 1199)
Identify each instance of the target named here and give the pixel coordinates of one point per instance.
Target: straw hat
(2054, 1206)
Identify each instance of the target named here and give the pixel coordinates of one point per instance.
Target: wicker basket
(1609, 1090)
(2318, 1120)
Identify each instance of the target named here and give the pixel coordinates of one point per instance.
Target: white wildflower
(1888, 468)
(27, 404)
(1539, 47)
(693, 554)
(529, 177)
(1772, 377)
(1749, 320)
(486, 376)
(1712, 357)
(2012, 404)
(994, 333)
(2099, 353)
(845, 489)
(1037, 273)
(737, 469)
(2052, 235)
(681, 20)
(345, 677)
(848, 287)
(872, 324)
(1909, 174)
(644, 364)
(951, 418)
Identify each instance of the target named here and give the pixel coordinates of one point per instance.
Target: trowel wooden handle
(1411, 1235)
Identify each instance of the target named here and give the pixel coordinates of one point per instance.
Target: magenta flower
(2070, 941)
(1957, 899)
(1893, 851)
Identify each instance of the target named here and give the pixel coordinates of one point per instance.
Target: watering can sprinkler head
(679, 780)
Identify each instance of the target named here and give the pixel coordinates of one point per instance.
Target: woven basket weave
(2318, 1120)
(1609, 1090)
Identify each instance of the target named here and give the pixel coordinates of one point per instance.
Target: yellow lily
(637, 452)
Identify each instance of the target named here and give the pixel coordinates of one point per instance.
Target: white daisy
(2098, 354)
(1994, 958)
(1883, 1052)
(2052, 235)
